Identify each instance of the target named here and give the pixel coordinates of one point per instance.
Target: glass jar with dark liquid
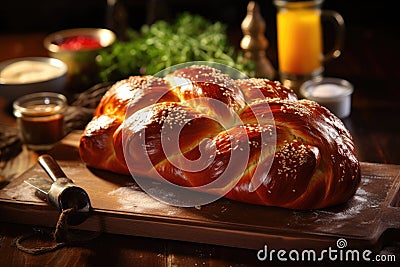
(40, 118)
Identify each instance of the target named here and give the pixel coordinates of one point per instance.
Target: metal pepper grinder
(254, 43)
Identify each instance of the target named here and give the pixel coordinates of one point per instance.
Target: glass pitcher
(300, 40)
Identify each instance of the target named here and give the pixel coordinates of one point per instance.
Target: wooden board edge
(123, 224)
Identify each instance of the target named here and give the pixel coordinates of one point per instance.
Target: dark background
(369, 19)
(50, 15)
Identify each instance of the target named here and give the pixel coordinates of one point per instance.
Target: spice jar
(40, 119)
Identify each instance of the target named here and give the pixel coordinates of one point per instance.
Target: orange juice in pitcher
(299, 28)
(300, 47)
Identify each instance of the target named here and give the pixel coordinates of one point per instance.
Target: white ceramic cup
(332, 93)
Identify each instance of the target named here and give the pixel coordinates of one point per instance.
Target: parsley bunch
(163, 44)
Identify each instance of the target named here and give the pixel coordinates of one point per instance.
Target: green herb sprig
(162, 44)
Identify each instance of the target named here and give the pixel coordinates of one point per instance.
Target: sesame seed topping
(291, 156)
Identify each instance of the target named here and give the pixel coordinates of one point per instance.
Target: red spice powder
(79, 42)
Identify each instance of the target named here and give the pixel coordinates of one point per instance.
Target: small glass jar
(40, 119)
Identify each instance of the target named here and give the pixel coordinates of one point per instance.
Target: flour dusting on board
(22, 192)
(364, 200)
(132, 198)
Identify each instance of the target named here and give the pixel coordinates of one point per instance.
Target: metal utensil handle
(51, 167)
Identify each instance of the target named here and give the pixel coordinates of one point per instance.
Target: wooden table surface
(370, 61)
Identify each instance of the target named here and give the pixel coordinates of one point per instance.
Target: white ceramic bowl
(25, 75)
(332, 93)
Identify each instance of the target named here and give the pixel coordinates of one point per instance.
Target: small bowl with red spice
(78, 48)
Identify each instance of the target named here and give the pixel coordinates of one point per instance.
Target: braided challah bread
(275, 150)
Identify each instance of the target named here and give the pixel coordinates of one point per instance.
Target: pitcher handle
(338, 21)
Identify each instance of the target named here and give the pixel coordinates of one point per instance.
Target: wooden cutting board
(120, 207)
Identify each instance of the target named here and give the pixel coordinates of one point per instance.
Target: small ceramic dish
(332, 93)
